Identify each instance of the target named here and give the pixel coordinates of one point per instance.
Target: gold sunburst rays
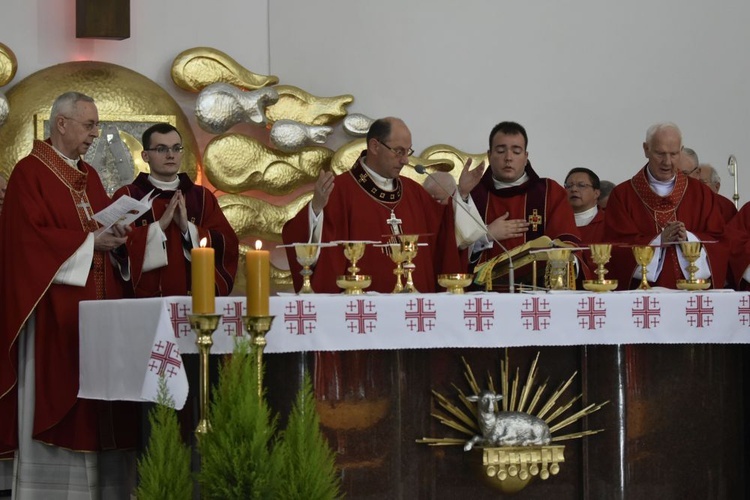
(523, 394)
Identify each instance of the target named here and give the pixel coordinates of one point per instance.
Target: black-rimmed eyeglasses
(397, 151)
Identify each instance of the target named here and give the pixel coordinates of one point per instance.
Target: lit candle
(257, 267)
(203, 285)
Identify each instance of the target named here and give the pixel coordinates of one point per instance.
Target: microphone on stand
(511, 281)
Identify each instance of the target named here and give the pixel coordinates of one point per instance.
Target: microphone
(511, 281)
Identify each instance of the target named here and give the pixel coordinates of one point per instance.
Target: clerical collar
(662, 188)
(383, 183)
(585, 217)
(502, 185)
(165, 185)
(70, 161)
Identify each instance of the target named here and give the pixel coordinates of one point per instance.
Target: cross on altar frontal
(395, 223)
(535, 219)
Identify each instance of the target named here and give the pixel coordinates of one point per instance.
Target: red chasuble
(203, 211)
(726, 207)
(44, 221)
(738, 230)
(636, 215)
(541, 201)
(593, 232)
(358, 210)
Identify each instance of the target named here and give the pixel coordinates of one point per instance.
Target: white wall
(586, 77)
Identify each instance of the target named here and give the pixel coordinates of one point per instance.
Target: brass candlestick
(204, 326)
(643, 255)
(257, 327)
(600, 254)
(692, 251)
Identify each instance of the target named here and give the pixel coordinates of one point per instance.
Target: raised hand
(323, 189)
(469, 178)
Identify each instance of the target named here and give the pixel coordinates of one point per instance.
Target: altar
(666, 361)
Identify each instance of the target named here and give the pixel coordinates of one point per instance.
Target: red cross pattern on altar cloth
(591, 313)
(699, 311)
(535, 219)
(743, 310)
(420, 314)
(178, 315)
(479, 314)
(300, 317)
(165, 357)
(536, 314)
(232, 319)
(361, 317)
(646, 312)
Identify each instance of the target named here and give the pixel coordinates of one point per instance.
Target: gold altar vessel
(353, 283)
(409, 248)
(643, 256)
(455, 283)
(204, 326)
(692, 251)
(600, 254)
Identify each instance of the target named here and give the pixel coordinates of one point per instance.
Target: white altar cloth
(126, 344)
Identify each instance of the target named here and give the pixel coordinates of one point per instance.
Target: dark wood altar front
(673, 426)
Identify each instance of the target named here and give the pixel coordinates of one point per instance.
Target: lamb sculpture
(506, 428)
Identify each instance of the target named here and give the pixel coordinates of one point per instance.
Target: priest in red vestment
(582, 185)
(662, 206)
(372, 202)
(710, 177)
(516, 204)
(182, 213)
(738, 230)
(51, 260)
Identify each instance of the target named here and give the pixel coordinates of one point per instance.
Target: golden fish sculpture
(197, 68)
(300, 106)
(235, 163)
(257, 218)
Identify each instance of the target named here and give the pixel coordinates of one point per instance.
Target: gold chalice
(353, 283)
(600, 254)
(408, 243)
(455, 283)
(692, 251)
(643, 256)
(307, 254)
(398, 258)
(557, 268)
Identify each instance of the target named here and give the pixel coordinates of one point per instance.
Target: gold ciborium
(408, 243)
(600, 254)
(643, 256)
(307, 254)
(353, 283)
(557, 268)
(692, 251)
(455, 283)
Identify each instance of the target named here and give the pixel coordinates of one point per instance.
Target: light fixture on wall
(108, 19)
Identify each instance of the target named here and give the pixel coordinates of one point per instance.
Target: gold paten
(235, 163)
(300, 106)
(251, 216)
(196, 68)
(117, 91)
(204, 326)
(8, 64)
(353, 283)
